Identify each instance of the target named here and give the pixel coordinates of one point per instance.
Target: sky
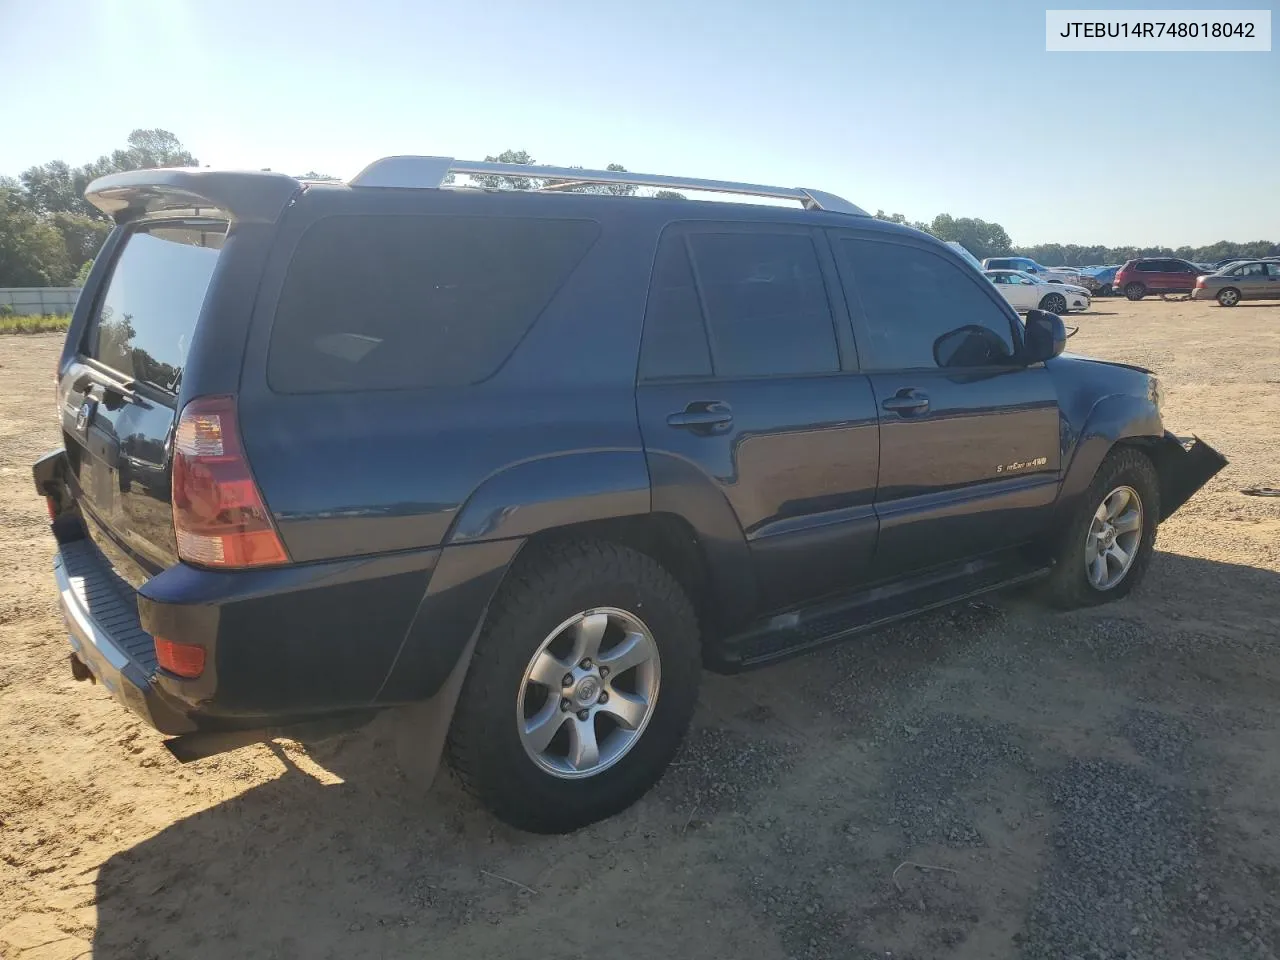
(912, 107)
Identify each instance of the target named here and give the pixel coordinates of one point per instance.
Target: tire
(1105, 290)
(1135, 291)
(1070, 585)
(1054, 303)
(551, 596)
(1228, 297)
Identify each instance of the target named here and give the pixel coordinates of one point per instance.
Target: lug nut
(565, 705)
(604, 697)
(586, 663)
(604, 672)
(584, 714)
(567, 680)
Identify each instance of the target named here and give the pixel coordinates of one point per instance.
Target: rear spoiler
(242, 195)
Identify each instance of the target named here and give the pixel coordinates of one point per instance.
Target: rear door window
(395, 302)
(766, 304)
(737, 305)
(145, 318)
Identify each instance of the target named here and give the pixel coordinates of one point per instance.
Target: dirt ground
(995, 781)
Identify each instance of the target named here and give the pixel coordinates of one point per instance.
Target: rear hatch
(118, 395)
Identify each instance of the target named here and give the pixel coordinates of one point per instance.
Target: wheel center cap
(587, 690)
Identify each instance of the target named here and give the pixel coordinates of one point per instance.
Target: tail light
(219, 515)
(1200, 282)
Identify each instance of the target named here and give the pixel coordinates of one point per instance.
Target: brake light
(52, 506)
(183, 659)
(1200, 282)
(219, 515)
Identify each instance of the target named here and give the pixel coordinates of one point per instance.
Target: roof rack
(420, 172)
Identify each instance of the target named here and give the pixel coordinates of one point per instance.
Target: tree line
(49, 233)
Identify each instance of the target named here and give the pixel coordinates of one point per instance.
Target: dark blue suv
(530, 459)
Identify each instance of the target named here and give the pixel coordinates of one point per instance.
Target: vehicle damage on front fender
(1184, 465)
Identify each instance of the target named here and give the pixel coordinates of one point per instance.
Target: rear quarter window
(395, 302)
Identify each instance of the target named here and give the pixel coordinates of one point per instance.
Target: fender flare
(1112, 419)
(551, 492)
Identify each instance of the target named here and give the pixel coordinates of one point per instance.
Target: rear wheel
(1228, 296)
(1107, 546)
(1135, 291)
(1054, 303)
(1105, 290)
(583, 684)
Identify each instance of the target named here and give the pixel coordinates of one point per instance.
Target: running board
(790, 634)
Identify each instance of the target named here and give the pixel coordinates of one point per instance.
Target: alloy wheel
(1114, 537)
(588, 693)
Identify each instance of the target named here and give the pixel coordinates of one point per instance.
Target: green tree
(32, 252)
(670, 195)
(82, 277)
(508, 183)
(57, 187)
(979, 237)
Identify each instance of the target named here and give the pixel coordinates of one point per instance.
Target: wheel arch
(1114, 419)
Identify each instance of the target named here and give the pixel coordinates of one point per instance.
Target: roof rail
(420, 172)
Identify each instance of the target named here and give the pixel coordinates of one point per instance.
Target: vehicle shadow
(341, 856)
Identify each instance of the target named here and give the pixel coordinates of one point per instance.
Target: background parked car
(1103, 279)
(1025, 292)
(1027, 265)
(1247, 280)
(1137, 278)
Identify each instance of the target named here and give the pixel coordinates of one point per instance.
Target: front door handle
(907, 402)
(703, 416)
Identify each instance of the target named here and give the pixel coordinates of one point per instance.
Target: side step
(790, 634)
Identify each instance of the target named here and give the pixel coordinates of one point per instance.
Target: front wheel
(1135, 291)
(1107, 546)
(1054, 303)
(583, 683)
(1228, 297)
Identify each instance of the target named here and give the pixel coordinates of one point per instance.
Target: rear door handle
(703, 416)
(907, 402)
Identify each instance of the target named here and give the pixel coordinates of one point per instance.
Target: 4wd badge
(1021, 465)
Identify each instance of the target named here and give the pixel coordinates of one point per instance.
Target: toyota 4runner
(530, 459)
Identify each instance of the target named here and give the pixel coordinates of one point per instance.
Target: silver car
(1242, 280)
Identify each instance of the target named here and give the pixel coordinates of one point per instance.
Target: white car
(1027, 265)
(1025, 292)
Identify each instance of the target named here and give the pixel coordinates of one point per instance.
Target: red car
(1137, 278)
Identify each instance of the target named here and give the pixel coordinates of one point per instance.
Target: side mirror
(1046, 336)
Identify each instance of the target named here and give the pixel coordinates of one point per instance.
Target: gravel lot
(994, 781)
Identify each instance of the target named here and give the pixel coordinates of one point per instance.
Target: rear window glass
(390, 302)
(148, 311)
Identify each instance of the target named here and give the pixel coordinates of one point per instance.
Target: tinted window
(1250, 270)
(390, 302)
(1149, 266)
(150, 305)
(675, 340)
(766, 304)
(1001, 265)
(916, 302)
(1273, 269)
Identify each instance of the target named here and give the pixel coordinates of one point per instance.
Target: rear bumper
(106, 637)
